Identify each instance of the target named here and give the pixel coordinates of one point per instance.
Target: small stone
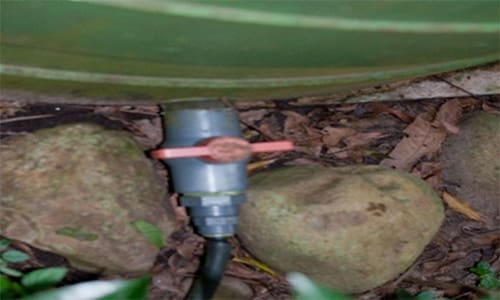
(350, 228)
(470, 163)
(75, 190)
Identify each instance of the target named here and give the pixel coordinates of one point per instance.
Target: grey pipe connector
(211, 191)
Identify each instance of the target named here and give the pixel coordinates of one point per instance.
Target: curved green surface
(154, 50)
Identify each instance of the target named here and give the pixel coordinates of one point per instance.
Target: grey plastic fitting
(212, 192)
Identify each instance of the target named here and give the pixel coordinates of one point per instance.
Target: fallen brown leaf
(430, 172)
(296, 128)
(363, 138)
(339, 152)
(347, 108)
(423, 137)
(151, 110)
(251, 117)
(147, 132)
(10, 108)
(270, 128)
(333, 135)
(383, 107)
(448, 115)
(461, 207)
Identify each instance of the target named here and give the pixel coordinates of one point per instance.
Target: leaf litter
(404, 135)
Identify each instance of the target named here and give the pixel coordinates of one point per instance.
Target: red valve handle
(222, 149)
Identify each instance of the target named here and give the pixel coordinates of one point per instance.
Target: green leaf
(15, 256)
(9, 271)
(306, 289)
(402, 294)
(43, 278)
(151, 232)
(10, 289)
(481, 268)
(5, 284)
(489, 281)
(99, 289)
(4, 243)
(426, 295)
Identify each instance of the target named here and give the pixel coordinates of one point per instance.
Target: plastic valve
(222, 149)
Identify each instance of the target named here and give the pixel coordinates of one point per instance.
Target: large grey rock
(75, 190)
(351, 228)
(471, 164)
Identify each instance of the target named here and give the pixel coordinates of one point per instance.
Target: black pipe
(217, 254)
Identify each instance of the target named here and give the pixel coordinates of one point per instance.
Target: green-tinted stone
(75, 190)
(351, 228)
(471, 164)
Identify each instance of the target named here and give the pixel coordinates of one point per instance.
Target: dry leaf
(461, 207)
(106, 110)
(347, 108)
(295, 125)
(333, 135)
(487, 107)
(363, 138)
(341, 153)
(423, 137)
(383, 107)
(151, 110)
(307, 139)
(430, 172)
(147, 132)
(252, 116)
(448, 115)
(270, 128)
(10, 108)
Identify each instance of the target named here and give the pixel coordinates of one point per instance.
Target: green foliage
(32, 282)
(151, 232)
(306, 289)
(43, 278)
(10, 256)
(425, 295)
(488, 278)
(10, 289)
(14, 256)
(37, 284)
(9, 271)
(4, 243)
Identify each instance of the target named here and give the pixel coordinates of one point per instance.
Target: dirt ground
(403, 135)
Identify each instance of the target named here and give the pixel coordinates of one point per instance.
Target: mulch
(332, 135)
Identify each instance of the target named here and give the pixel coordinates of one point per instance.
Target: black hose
(205, 284)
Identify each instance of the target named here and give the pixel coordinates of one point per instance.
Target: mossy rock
(350, 228)
(471, 164)
(75, 190)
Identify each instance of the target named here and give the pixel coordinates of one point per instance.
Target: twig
(457, 87)
(25, 118)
